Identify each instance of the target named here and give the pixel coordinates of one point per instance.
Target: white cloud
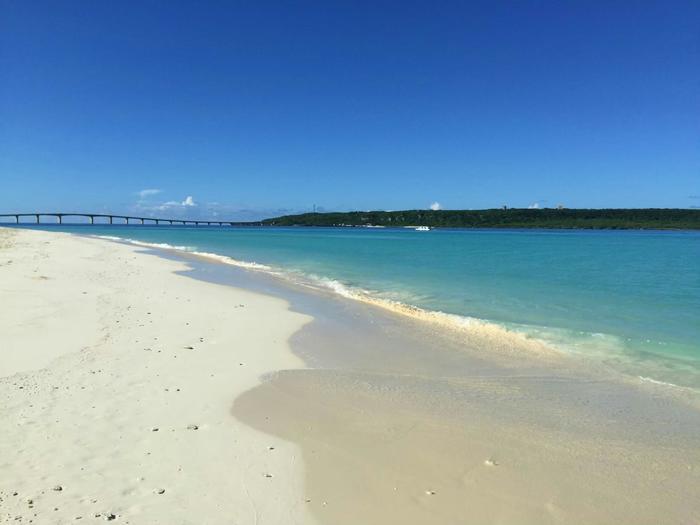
(189, 209)
(147, 193)
(435, 206)
(534, 206)
(187, 203)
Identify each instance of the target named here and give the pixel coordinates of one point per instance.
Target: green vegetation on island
(652, 218)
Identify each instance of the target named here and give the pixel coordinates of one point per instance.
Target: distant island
(650, 218)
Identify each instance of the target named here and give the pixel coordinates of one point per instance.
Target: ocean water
(627, 298)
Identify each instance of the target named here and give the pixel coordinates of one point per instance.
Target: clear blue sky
(256, 108)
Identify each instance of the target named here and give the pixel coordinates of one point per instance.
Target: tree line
(652, 218)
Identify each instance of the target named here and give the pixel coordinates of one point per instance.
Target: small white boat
(423, 228)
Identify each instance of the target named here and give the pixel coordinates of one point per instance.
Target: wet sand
(400, 422)
(393, 450)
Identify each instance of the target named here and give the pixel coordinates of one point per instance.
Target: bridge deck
(110, 217)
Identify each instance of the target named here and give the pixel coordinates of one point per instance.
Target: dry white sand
(117, 378)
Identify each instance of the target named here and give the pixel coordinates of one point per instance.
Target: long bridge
(121, 219)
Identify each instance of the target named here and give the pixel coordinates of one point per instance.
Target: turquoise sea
(627, 298)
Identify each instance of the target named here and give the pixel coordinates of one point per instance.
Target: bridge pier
(110, 218)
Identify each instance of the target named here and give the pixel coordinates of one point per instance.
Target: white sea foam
(108, 237)
(162, 245)
(193, 250)
(249, 265)
(482, 333)
(657, 382)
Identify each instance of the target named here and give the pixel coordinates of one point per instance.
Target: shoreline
(508, 339)
(374, 417)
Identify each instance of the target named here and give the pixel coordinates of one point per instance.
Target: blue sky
(248, 109)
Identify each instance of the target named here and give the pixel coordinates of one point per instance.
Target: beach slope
(117, 378)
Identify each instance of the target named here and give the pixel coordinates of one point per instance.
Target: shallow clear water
(629, 297)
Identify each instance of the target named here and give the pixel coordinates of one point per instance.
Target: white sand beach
(132, 393)
(117, 380)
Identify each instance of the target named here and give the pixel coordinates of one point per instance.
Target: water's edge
(501, 340)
